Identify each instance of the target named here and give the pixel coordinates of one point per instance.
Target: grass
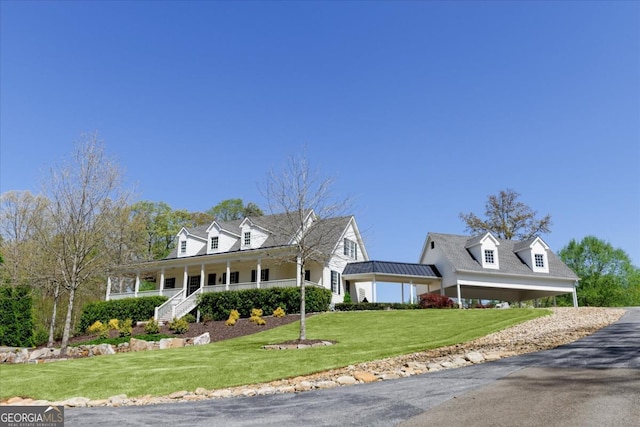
(361, 336)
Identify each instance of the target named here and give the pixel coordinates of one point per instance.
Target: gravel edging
(563, 326)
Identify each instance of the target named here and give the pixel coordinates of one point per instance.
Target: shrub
(233, 316)
(219, 304)
(347, 298)
(98, 328)
(136, 309)
(16, 316)
(190, 318)
(126, 327)
(179, 326)
(435, 301)
(152, 327)
(279, 312)
(114, 325)
(256, 317)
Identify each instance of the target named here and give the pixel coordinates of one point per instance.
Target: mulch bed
(217, 329)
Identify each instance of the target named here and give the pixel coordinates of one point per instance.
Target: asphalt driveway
(592, 382)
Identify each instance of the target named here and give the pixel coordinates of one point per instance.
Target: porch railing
(166, 292)
(167, 307)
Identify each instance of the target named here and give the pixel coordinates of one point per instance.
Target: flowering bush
(435, 301)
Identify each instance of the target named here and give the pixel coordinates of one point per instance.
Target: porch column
(459, 296)
(258, 270)
(201, 276)
(373, 289)
(108, 288)
(137, 288)
(228, 278)
(575, 297)
(298, 271)
(161, 281)
(412, 292)
(185, 278)
(402, 284)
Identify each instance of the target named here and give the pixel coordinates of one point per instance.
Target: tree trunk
(303, 321)
(52, 327)
(67, 322)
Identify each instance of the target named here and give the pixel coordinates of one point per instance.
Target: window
(170, 283)
(335, 282)
(183, 247)
(433, 244)
(211, 279)
(350, 248)
(488, 256)
(307, 275)
(539, 259)
(234, 277)
(214, 242)
(247, 238)
(264, 275)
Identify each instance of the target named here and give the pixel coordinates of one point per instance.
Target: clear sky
(419, 110)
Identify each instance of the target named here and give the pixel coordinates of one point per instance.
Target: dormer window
(214, 242)
(247, 238)
(183, 247)
(488, 256)
(539, 260)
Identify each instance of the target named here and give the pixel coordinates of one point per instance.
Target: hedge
(16, 318)
(375, 306)
(136, 309)
(218, 305)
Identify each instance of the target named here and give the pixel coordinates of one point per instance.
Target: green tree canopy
(507, 218)
(231, 209)
(607, 276)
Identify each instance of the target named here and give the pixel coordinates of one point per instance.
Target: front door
(193, 285)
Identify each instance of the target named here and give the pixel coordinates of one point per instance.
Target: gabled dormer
(533, 252)
(219, 239)
(189, 244)
(252, 236)
(484, 249)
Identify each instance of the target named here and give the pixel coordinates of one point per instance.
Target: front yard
(360, 336)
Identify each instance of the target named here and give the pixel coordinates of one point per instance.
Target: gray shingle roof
(281, 228)
(454, 248)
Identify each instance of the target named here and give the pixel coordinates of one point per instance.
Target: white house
(255, 252)
(485, 267)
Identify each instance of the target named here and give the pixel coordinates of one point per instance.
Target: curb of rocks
(565, 325)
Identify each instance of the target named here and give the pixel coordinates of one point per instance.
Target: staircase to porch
(176, 307)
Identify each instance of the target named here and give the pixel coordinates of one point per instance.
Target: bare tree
(307, 209)
(86, 201)
(508, 218)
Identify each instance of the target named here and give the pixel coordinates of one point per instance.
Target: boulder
(346, 380)
(171, 343)
(365, 377)
(202, 339)
(138, 345)
(103, 349)
(474, 357)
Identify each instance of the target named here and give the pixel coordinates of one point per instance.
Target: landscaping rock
(76, 402)
(474, 357)
(365, 377)
(346, 380)
(171, 343)
(138, 345)
(178, 394)
(202, 339)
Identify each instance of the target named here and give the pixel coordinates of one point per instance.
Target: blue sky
(419, 110)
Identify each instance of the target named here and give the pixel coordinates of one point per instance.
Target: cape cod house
(254, 252)
(480, 267)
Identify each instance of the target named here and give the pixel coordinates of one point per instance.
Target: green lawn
(361, 336)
